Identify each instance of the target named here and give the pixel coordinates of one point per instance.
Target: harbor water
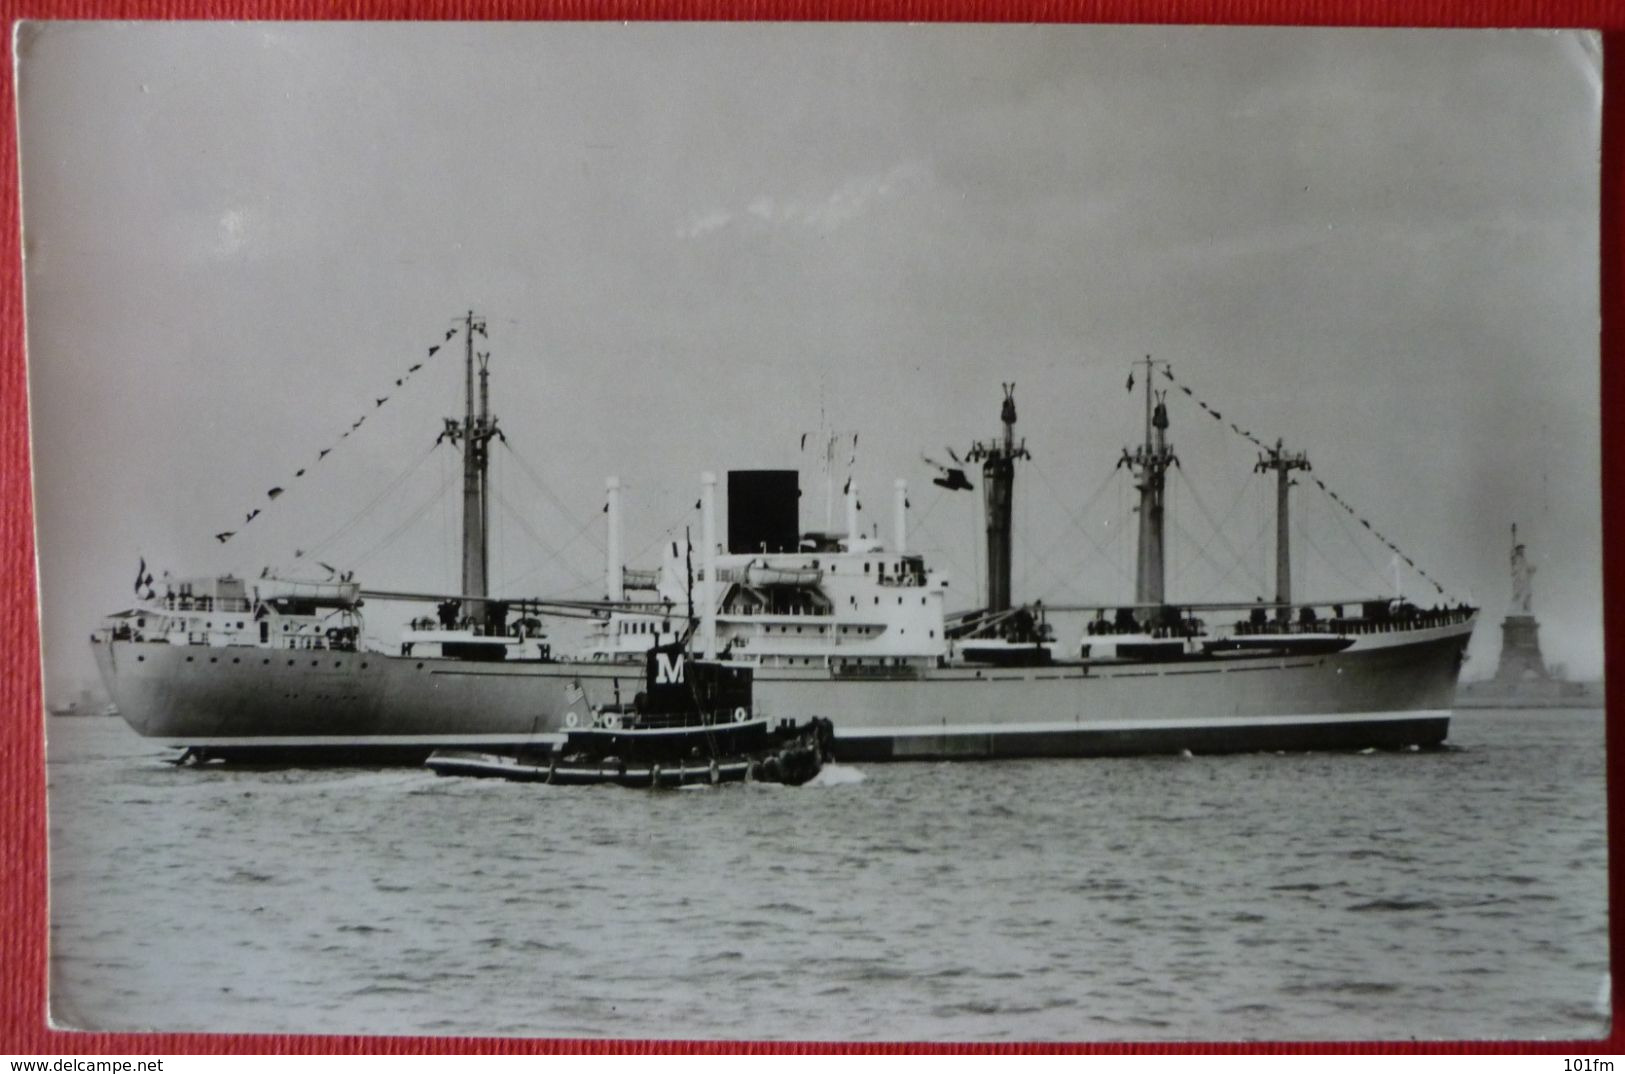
(1448, 894)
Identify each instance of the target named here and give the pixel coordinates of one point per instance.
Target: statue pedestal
(1520, 651)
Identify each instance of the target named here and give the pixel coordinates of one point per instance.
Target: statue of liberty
(1521, 660)
(1522, 573)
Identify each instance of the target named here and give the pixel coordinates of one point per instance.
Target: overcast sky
(694, 243)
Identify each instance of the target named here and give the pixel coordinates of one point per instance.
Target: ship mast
(1283, 463)
(998, 459)
(474, 432)
(1149, 464)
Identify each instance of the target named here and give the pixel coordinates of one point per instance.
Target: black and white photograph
(834, 532)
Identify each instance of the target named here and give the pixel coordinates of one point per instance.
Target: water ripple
(1301, 896)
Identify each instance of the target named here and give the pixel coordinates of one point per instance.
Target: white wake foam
(836, 775)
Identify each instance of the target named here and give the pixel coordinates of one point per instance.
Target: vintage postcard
(842, 532)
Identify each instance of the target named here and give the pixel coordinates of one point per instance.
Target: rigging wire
(356, 518)
(494, 527)
(932, 506)
(554, 553)
(1218, 526)
(1052, 572)
(277, 491)
(553, 556)
(1257, 541)
(936, 544)
(1303, 531)
(978, 510)
(1339, 500)
(1026, 549)
(1078, 524)
(1089, 557)
(547, 493)
(1298, 569)
(394, 534)
(1171, 530)
(669, 533)
(1201, 553)
(1117, 537)
(1359, 545)
(445, 527)
(1262, 500)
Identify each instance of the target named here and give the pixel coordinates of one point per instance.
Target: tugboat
(694, 722)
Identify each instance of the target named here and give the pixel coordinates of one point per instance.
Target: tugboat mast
(474, 432)
(1149, 464)
(1283, 463)
(998, 459)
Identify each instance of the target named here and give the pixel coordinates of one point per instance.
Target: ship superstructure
(835, 624)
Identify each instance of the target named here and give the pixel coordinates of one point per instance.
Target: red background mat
(23, 875)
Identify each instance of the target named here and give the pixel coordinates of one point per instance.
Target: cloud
(711, 221)
(235, 230)
(846, 203)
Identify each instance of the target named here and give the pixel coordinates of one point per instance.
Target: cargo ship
(834, 625)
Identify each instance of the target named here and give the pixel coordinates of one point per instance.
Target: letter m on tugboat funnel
(668, 668)
(665, 679)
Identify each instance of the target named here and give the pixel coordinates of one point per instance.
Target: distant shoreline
(1551, 694)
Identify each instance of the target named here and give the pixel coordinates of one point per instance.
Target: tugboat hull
(788, 754)
(497, 766)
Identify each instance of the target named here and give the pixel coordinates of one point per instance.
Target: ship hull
(248, 704)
